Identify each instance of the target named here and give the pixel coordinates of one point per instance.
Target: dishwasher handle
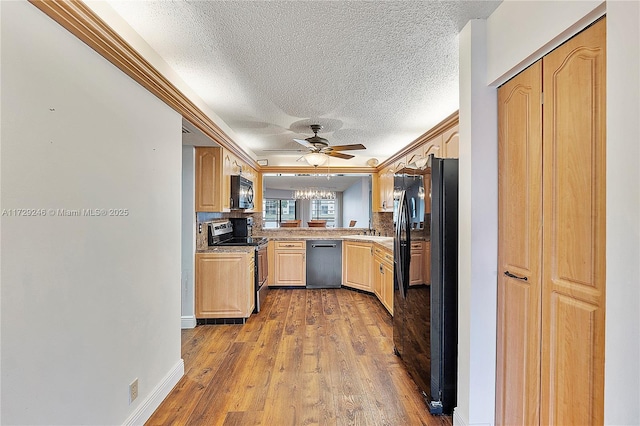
(323, 245)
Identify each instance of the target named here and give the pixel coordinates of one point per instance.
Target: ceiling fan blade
(304, 142)
(284, 150)
(339, 155)
(351, 147)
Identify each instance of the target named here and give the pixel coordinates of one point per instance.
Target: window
(324, 210)
(275, 211)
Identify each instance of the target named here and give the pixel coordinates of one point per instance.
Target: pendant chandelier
(314, 194)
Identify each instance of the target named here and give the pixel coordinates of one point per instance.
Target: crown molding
(320, 170)
(443, 126)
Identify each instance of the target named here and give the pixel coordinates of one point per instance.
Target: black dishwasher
(324, 263)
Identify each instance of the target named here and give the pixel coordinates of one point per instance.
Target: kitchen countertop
(386, 242)
(227, 249)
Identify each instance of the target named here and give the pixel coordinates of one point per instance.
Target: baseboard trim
(152, 402)
(457, 419)
(188, 322)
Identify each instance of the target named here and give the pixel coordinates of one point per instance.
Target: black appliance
(324, 264)
(223, 234)
(425, 321)
(241, 193)
(242, 226)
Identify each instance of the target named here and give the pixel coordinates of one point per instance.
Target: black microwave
(241, 193)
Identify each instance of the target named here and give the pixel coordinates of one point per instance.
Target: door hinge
(542, 98)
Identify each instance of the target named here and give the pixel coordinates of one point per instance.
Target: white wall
(355, 203)
(188, 236)
(88, 303)
(513, 43)
(622, 340)
(478, 225)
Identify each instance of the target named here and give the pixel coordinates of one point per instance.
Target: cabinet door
(433, 146)
(224, 286)
(208, 171)
(271, 260)
(573, 280)
(356, 265)
(230, 166)
(290, 267)
(289, 264)
(387, 282)
(416, 267)
(519, 248)
(551, 289)
(378, 276)
(427, 262)
(383, 199)
(451, 143)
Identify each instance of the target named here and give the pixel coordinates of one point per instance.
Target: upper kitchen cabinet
(451, 143)
(433, 146)
(400, 164)
(209, 180)
(382, 190)
(214, 168)
(233, 166)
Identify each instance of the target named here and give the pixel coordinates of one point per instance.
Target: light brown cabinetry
(356, 264)
(224, 285)
(383, 276)
(214, 168)
(450, 143)
(416, 267)
(433, 146)
(208, 179)
(427, 262)
(289, 263)
(382, 190)
(551, 242)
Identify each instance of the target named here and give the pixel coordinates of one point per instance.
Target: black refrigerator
(425, 320)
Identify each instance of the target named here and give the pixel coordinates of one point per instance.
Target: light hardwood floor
(310, 357)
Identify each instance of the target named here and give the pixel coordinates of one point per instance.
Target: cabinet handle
(381, 269)
(510, 275)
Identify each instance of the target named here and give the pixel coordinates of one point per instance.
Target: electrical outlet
(133, 391)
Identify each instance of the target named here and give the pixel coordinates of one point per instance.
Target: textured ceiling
(379, 73)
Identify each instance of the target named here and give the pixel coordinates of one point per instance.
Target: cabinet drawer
(289, 245)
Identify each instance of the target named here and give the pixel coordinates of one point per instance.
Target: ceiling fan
(320, 145)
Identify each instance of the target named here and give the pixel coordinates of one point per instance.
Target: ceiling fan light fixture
(316, 159)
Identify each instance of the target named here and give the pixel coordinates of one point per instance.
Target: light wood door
(378, 274)
(208, 171)
(427, 262)
(451, 143)
(224, 285)
(551, 290)
(289, 263)
(433, 146)
(356, 265)
(519, 248)
(387, 281)
(573, 280)
(416, 267)
(382, 190)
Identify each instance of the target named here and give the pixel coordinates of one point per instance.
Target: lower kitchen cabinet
(225, 285)
(427, 262)
(356, 264)
(289, 263)
(383, 277)
(416, 268)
